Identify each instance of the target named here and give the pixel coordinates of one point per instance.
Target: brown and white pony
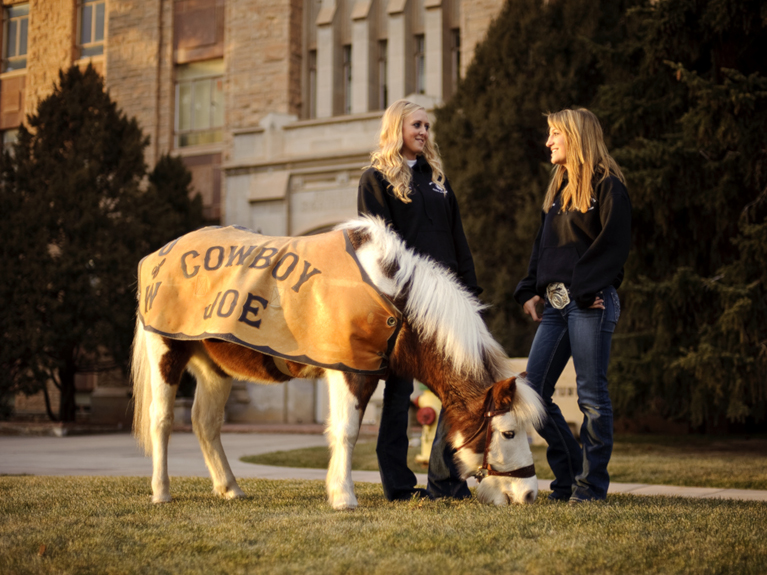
(443, 342)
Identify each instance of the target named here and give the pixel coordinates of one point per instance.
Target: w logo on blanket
(305, 299)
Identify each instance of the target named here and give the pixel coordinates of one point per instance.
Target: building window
(9, 140)
(15, 33)
(420, 64)
(312, 83)
(92, 17)
(383, 65)
(199, 103)
(347, 72)
(455, 58)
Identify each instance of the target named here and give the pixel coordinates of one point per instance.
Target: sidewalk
(116, 454)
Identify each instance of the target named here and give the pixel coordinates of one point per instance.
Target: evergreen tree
(170, 186)
(537, 57)
(75, 223)
(687, 103)
(680, 89)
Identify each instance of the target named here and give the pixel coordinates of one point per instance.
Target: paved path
(117, 455)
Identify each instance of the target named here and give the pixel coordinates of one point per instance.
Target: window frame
(9, 138)
(213, 132)
(21, 20)
(419, 69)
(93, 47)
(346, 57)
(455, 59)
(383, 73)
(312, 73)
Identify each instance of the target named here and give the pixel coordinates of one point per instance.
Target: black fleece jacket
(430, 224)
(585, 251)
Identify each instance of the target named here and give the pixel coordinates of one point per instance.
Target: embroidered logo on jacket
(437, 188)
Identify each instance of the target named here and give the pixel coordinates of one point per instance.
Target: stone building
(274, 105)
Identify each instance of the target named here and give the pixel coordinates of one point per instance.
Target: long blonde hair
(388, 158)
(586, 157)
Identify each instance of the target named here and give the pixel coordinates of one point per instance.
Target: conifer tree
(75, 223)
(679, 87)
(537, 57)
(687, 103)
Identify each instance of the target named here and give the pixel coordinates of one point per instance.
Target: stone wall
(51, 46)
(163, 141)
(476, 17)
(262, 60)
(137, 42)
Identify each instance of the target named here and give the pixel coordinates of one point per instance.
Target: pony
(442, 341)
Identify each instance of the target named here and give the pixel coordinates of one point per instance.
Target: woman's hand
(599, 303)
(531, 307)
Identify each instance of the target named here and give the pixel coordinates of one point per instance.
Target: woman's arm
(466, 272)
(603, 261)
(526, 288)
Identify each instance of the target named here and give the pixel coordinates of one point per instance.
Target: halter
(486, 469)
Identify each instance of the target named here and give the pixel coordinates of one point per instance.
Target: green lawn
(696, 461)
(107, 525)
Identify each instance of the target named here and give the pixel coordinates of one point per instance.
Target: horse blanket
(305, 299)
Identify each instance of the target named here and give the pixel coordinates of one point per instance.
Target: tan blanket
(305, 299)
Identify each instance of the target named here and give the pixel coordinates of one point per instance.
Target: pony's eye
(508, 434)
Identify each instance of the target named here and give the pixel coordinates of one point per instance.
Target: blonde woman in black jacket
(405, 185)
(575, 267)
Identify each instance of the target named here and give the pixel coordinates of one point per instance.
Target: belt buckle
(557, 295)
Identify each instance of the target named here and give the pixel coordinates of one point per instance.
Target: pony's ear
(504, 393)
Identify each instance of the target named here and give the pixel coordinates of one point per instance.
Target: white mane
(437, 304)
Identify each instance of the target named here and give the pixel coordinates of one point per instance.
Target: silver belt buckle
(557, 295)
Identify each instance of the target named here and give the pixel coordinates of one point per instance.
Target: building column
(364, 59)
(400, 57)
(328, 64)
(434, 36)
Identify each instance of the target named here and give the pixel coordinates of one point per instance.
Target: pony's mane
(438, 306)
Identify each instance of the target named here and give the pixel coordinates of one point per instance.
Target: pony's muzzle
(526, 498)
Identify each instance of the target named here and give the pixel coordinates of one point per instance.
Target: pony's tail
(142, 389)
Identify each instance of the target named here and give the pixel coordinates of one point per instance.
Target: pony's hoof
(235, 493)
(343, 503)
(166, 498)
(229, 492)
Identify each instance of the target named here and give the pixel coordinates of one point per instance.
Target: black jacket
(430, 224)
(585, 251)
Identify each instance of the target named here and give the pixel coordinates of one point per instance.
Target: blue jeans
(397, 479)
(585, 334)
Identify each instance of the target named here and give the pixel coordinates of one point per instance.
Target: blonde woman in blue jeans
(575, 268)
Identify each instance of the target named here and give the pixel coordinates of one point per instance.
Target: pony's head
(453, 352)
(498, 452)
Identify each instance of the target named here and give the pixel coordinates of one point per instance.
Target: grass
(107, 525)
(692, 461)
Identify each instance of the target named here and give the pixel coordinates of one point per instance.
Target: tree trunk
(67, 407)
(48, 408)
